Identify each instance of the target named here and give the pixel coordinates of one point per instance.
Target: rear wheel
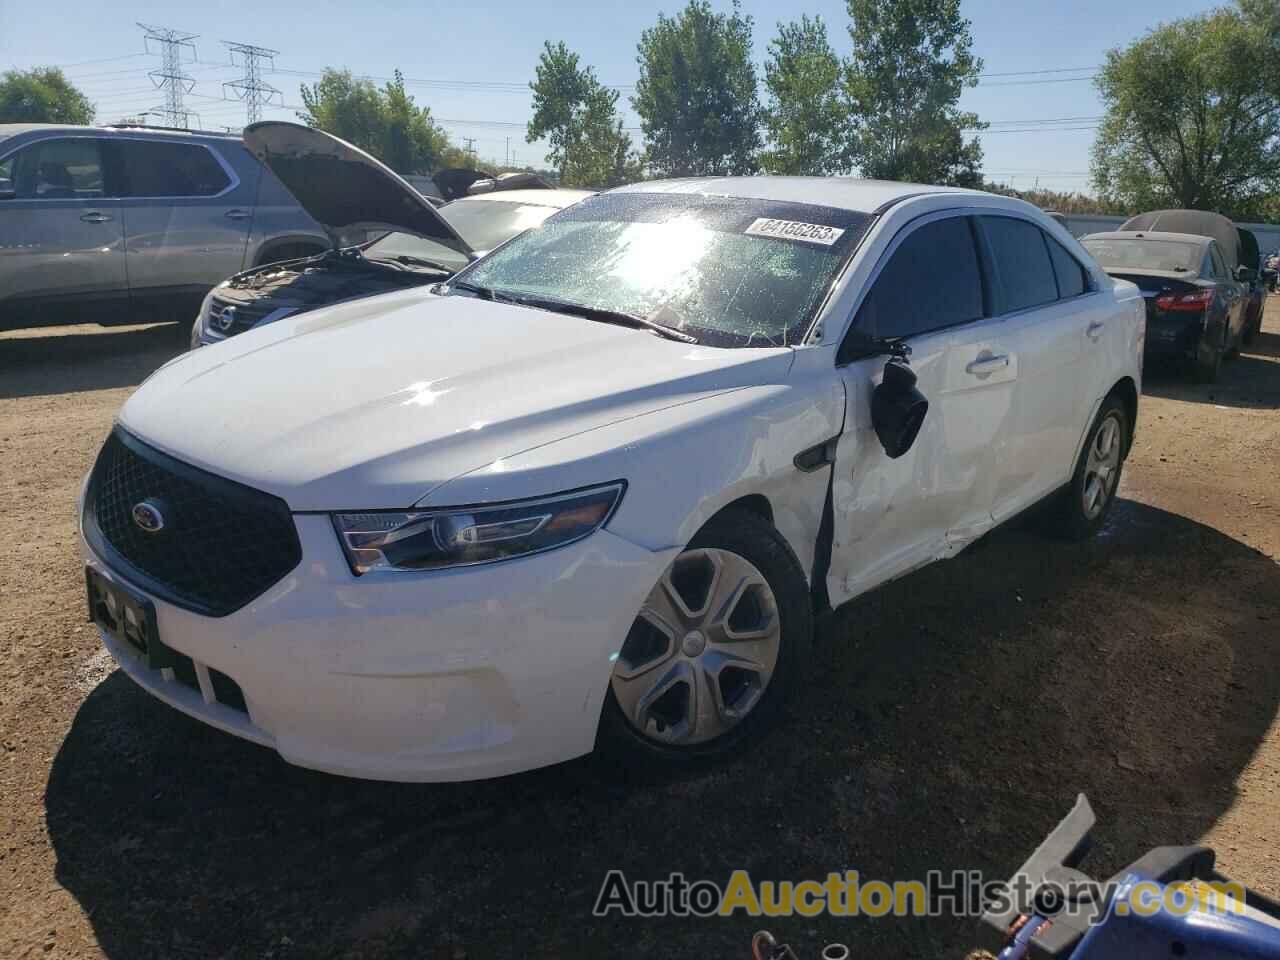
(1083, 506)
(710, 658)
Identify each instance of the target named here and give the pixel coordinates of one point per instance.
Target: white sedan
(592, 491)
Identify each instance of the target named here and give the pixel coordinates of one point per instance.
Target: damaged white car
(593, 489)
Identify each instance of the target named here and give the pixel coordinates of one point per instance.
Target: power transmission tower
(170, 78)
(470, 148)
(251, 88)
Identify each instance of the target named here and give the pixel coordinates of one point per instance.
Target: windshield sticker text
(795, 230)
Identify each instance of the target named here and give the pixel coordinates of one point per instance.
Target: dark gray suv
(131, 223)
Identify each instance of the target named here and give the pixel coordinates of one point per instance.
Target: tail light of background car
(1186, 302)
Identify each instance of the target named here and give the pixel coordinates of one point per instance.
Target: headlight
(431, 539)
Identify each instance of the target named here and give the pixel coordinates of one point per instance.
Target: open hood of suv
(343, 187)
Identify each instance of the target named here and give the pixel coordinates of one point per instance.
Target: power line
(170, 77)
(251, 88)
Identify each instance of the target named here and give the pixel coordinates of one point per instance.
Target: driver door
(893, 515)
(61, 239)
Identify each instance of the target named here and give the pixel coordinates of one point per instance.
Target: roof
(14, 129)
(849, 193)
(538, 198)
(1192, 238)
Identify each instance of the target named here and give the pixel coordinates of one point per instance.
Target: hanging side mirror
(898, 409)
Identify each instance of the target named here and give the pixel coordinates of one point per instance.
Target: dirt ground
(953, 719)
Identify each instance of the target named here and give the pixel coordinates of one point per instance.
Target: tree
(1193, 114)
(579, 118)
(911, 61)
(696, 95)
(385, 122)
(805, 118)
(42, 95)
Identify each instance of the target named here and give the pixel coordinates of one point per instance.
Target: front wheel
(1083, 506)
(712, 654)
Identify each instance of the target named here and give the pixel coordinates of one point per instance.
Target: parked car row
(1200, 277)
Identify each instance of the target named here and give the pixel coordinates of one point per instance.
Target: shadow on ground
(1246, 380)
(37, 363)
(949, 723)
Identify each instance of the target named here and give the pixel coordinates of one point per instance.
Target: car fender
(684, 464)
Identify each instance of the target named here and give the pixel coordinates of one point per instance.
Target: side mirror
(7, 191)
(1246, 274)
(897, 408)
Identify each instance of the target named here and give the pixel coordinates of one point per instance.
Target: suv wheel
(720, 640)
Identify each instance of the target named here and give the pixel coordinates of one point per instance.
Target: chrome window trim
(221, 161)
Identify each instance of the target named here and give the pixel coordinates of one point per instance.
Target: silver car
(130, 223)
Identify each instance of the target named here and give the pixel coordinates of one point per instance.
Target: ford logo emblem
(147, 516)
(224, 320)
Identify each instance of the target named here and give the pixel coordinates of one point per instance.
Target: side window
(1072, 279)
(1219, 265)
(67, 169)
(6, 175)
(931, 281)
(152, 168)
(1022, 261)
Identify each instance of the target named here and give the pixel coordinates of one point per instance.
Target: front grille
(220, 543)
(229, 318)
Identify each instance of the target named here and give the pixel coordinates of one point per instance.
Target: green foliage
(696, 95)
(805, 117)
(1193, 114)
(42, 95)
(911, 61)
(579, 118)
(385, 121)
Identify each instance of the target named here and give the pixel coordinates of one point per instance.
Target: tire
(646, 721)
(1071, 518)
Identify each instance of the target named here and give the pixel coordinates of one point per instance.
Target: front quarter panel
(684, 463)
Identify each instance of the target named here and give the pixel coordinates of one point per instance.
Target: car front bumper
(434, 676)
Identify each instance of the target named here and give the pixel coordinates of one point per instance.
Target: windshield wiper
(484, 293)
(603, 315)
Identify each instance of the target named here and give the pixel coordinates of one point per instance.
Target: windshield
(732, 272)
(1134, 254)
(483, 223)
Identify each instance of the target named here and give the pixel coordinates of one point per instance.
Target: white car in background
(593, 490)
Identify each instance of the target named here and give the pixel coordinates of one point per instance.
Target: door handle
(1094, 330)
(237, 214)
(93, 216)
(985, 366)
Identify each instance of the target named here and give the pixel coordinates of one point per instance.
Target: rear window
(1132, 253)
(157, 169)
(1072, 280)
(1022, 259)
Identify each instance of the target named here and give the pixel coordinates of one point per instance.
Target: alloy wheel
(702, 651)
(1102, 467)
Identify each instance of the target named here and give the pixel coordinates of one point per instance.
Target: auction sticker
(795, 230)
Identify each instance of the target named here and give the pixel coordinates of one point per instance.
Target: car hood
(342, 187)
(377, 402)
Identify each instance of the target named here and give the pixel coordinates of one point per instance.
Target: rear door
(1055, 324)
(61, 244)
(186, 219)
(1232, 289)
(894, 515)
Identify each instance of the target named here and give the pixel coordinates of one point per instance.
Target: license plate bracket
(128, 617)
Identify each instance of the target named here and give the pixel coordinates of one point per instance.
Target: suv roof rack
(154, 126)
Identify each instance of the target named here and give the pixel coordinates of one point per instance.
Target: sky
(471, 62)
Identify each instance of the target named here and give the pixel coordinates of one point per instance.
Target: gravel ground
(952, 719)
